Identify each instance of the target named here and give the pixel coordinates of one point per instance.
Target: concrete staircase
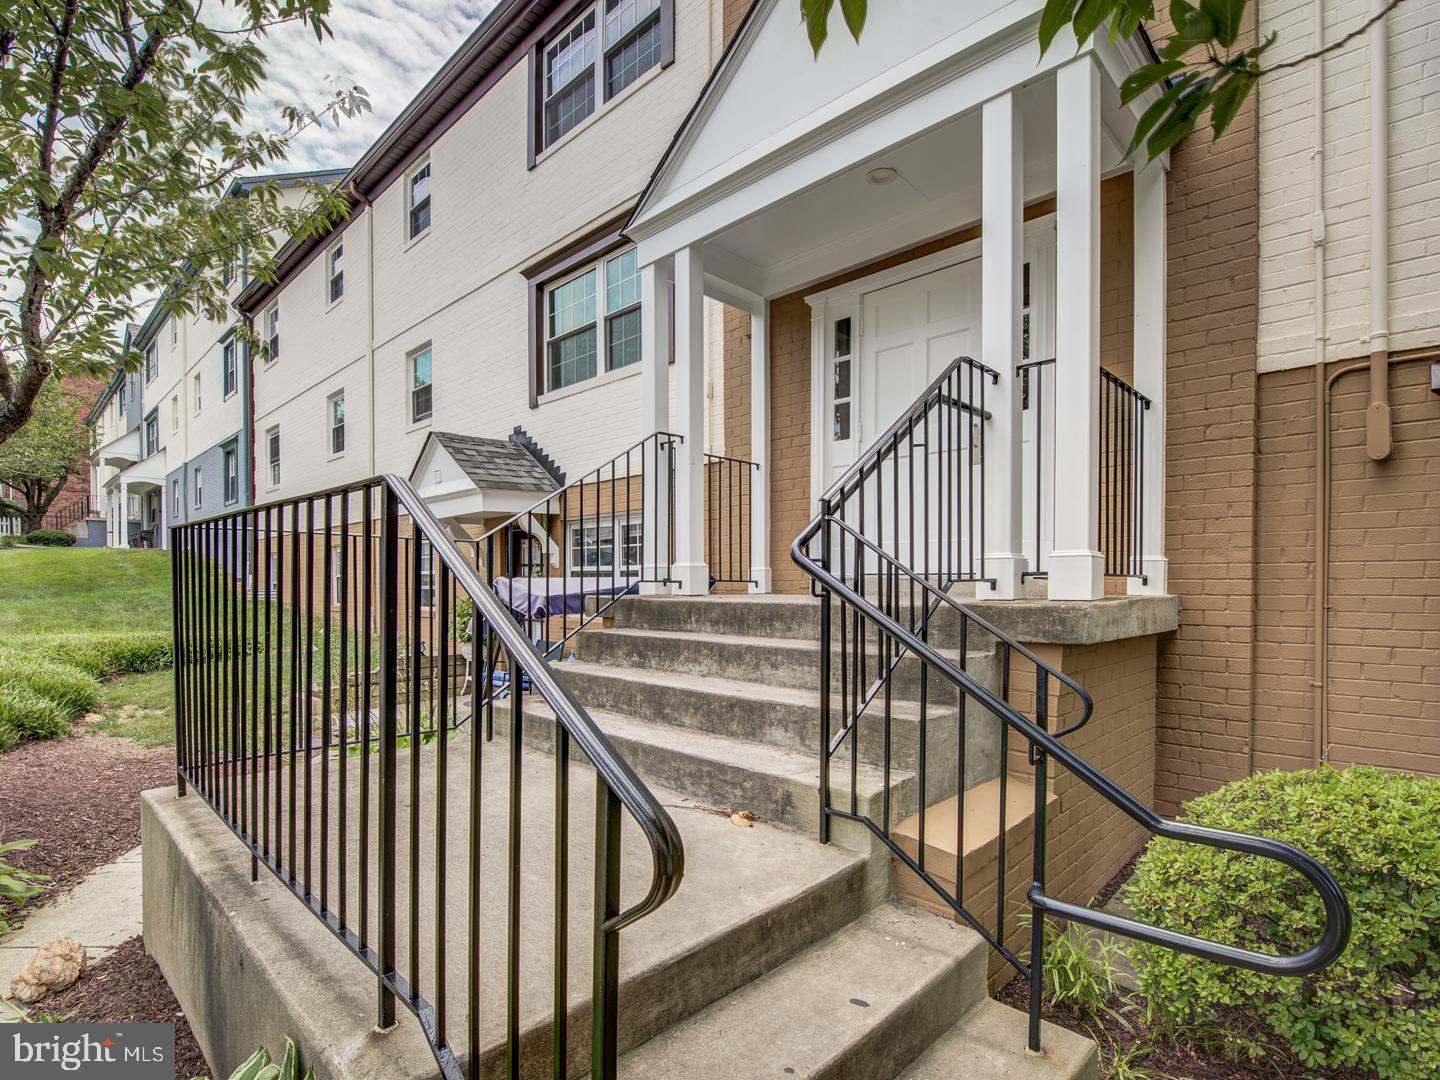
(717, 698)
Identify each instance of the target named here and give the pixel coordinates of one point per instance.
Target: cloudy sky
(390, 47)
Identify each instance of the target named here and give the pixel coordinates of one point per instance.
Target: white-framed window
(174, 412)
(272, 450)
(336, 410)
(196, 385)
(335, 279)
(417, 201)
(174, 330)
(232, 474)
(152, 433)
(606, 48)
(123, 393)
(591, 547)
(198, 476)
(421, 391)
(592, 321)
(152, 362)
(427, 574)
(227, 270)
(175, 505)
(842, 369)
(336, 575)
(270, 324)
(132, 508)
(229, 367)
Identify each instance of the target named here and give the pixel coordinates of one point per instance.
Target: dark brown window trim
(555, 25)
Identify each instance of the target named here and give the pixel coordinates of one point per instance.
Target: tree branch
(1338, 44)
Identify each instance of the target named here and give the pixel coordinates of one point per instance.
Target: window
(132, 508)
(427, 574)
(337, 271)
(152, 434)
(174, 329)
(227, 270)
(417, 201)
(175, 506)
(842, 355)
(420, 390)
(199, 478)
(271, 323)
(152, 364)
(124, 393)
(174, 412)
(229, 373)
(272, 442)
(197, 393)
(232, 474)
(592, 548)
(574, 350)
(603, 51)
(337, 423)
(337, 576)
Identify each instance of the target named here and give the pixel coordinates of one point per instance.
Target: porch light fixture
(881, 175)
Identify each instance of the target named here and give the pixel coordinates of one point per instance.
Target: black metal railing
(66, 514)
(283, 657)
(729, 495)
(894, 631)
(1121, 439)
(565, 561)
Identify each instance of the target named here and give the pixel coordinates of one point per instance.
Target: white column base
(1007, 571)
(763, 579)
(654, 588)
(1076, 575)
(694, 579)
(1157, 577)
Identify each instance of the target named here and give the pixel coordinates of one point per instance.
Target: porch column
(1002, 258)
(690, 568)
(1077, 570)
(655, 281)
(760, 447)
(123, 539)
(1150, 369)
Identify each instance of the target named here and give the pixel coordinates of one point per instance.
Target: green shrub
(49, 538)
(29, 714)
(104, 655)
(71, 689)
(1378, 1006)
(16, 885)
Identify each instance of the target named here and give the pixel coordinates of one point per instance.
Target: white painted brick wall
(1287, 288)
(460, 289)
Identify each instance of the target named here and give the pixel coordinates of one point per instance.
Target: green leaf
(290, 1064)
(1227, 101)
(253, 1066)
(1057, 14)
(1141, 79)
(1151, 116)
(816, 14)
(1227, 16)
(1089, 16)
(854, 12)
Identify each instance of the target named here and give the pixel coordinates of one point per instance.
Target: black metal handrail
(260, 605)
(889, 609)
(729, 502)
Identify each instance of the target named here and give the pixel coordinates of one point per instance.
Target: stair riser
(793, 725)
(792, 667)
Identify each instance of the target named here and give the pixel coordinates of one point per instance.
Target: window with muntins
(175, 497)
(272, 333)
(337, 272)
(592, 548)
(199, 489)
(418, 201)
(337, 424)
(421, 403)
(272, 442)
(607, 293)
(229, 370)
(152, 434)
(174, 412)
(601, 52)
(232, 475)
(151, 364)
(197, 394)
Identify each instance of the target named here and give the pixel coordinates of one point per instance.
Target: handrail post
(389, 632)
(1037, 916)
(825, 629)
(604, 1023)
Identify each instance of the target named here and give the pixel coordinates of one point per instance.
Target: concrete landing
(250, 965)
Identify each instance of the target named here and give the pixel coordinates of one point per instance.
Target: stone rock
(51, 968)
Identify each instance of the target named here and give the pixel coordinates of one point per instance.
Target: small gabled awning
(468, 476)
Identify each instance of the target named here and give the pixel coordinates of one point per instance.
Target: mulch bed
(127, 988)
(80, 797)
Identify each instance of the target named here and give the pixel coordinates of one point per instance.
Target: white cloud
(390, 47)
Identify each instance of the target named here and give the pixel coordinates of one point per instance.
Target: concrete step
(989, 1043)
(791, 662)
(789, 717)
(769, 615)
(857, 1006)
(778, 785)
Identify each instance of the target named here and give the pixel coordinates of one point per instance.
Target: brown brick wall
(733, 14)
(1384, 636)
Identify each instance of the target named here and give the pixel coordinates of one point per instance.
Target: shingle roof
(496, 463)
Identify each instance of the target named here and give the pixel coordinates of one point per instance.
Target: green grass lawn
(54, 591)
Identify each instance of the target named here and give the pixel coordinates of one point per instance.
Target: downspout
(250, 405)
(1322, 450)
(1378, 440)
(369, 312)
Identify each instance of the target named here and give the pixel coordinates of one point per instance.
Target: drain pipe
(1378, 435)
(1322, 455)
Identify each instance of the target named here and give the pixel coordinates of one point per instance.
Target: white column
(123, 537)
(655, 280)
(691, 571)
(1150, 368)
(760, 447)
(1002, 258)
(1077, 570)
